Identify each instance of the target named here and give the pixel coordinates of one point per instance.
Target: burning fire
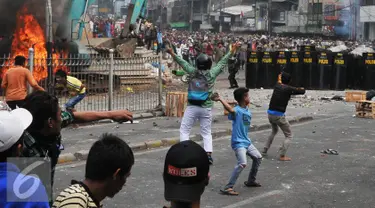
(29, 34)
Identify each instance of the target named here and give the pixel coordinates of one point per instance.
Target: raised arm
(215, 71)
(184, 64)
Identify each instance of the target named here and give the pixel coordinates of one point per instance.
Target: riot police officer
(233, 67)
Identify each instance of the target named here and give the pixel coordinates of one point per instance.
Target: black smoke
(8, 18)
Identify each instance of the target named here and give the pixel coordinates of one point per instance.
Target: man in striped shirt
(108, 166)
(76, 89)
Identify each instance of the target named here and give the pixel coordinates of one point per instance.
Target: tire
(185, 78)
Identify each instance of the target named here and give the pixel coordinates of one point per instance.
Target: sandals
(229, 191)
(330, 152)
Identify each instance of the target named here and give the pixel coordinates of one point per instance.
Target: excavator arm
(78, 9)
(135, 9)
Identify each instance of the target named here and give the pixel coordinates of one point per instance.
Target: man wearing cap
(12, 125)
(186, 174)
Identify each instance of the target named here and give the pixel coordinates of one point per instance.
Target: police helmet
(203, 62)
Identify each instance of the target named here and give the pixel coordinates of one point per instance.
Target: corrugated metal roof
(236, 10)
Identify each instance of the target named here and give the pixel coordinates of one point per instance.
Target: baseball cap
(12, 125)
(186, 170)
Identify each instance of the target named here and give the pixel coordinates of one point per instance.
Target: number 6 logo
(23, 177)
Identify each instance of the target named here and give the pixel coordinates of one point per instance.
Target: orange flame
(29, 34)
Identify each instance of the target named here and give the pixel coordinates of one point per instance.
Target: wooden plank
(167, 104)
(365, 114)
(365, 106)
(175, 104)
(353, 96)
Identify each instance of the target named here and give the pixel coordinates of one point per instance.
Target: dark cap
(186, 171)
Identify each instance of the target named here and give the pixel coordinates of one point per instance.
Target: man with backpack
(201, 84)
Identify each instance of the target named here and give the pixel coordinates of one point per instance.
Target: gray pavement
(76, 139)
(311, 179)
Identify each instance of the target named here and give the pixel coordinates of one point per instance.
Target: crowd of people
(31, 124)
(103, 28)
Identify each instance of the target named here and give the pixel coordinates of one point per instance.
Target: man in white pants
(201, 111)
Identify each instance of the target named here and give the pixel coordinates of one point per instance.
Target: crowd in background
(103, 28)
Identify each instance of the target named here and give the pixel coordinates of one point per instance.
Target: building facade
(367, 18)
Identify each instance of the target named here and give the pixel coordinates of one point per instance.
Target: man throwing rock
(276, 113)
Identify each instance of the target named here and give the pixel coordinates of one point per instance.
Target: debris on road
(335, 98)
(330, 152)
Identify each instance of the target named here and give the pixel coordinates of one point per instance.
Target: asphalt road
(311, 179)
(76, 139)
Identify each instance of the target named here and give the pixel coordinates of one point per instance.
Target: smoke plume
(9, 9)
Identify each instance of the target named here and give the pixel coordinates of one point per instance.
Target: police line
(312, 69)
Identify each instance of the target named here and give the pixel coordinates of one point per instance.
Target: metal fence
(111, 82)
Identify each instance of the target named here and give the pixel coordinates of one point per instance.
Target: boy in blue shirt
(241, 143)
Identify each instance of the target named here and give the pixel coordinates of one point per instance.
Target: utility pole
(191, 15)
(354, 7)
(220, 21)
(269, 17)
(209, 12)
(49, 47)
(161, 14)
(256, 15)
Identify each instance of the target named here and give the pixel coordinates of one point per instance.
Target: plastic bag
(4, 106)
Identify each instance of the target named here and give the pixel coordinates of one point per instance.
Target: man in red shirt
(210, 50)
(15, 83)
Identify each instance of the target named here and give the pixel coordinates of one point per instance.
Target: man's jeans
(276, 122)
(192, 114)
(241, 153)
(75, 100)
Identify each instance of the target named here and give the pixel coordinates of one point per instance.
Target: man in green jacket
(204, 76)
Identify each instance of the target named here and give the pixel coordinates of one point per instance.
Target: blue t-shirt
(241, 121)
(37, 199)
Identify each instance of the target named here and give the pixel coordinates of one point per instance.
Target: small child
(241, 143)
